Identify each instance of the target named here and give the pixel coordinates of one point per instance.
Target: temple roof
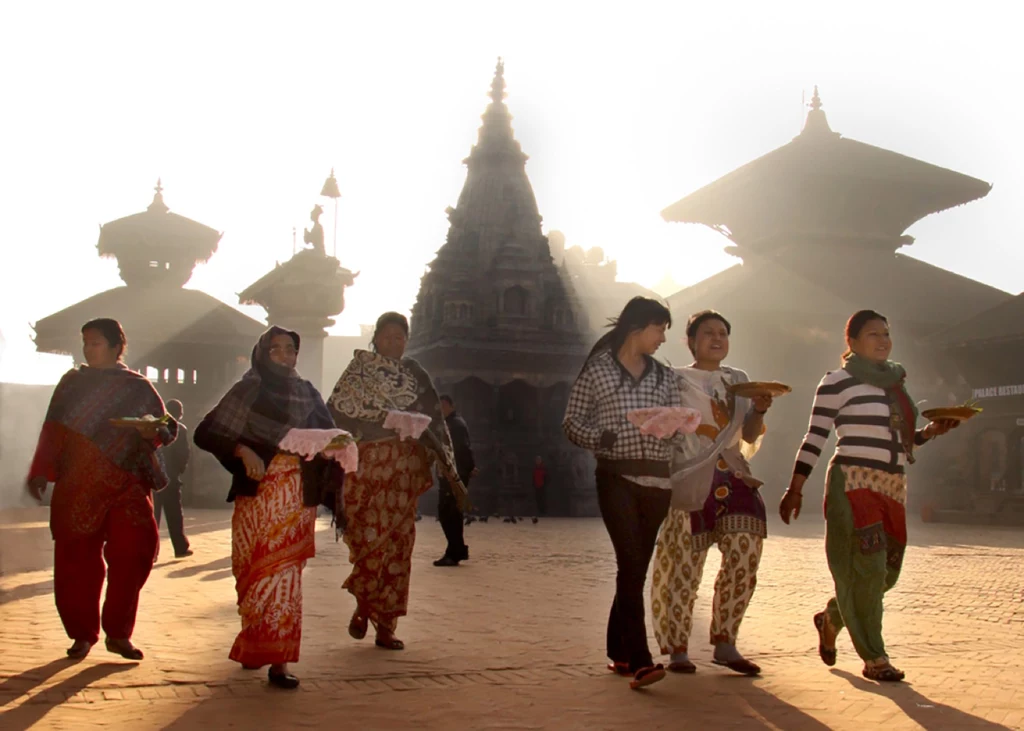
(1003, 322)
(181, 317)
(907, 290)
(158, 228)
(823, 185)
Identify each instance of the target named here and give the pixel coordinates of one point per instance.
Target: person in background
(447, 506)
(101, 507)
(540, 485)
(168, 500)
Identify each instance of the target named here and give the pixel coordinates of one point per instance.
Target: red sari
(271, 540)
(380, 513)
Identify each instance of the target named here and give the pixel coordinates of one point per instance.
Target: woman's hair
(638, 313)
(389, 318)
(856, 324)
(698, 318)
(111, 331)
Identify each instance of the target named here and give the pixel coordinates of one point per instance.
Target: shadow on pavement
(29, 714)
(919, 709)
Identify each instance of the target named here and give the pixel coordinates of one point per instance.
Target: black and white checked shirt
(602, 396)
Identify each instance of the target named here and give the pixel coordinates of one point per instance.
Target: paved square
(514, 639)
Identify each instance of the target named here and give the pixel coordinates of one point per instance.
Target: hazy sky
(243, 113)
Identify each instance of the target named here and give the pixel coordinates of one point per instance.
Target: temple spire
(817, 124)
(498, 85)
(158, 205)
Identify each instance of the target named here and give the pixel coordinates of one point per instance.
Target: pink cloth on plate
(310, 442)
(665, 421)
(408, 424)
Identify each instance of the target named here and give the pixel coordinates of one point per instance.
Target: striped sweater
(860, 415)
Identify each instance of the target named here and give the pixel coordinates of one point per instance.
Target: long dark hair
(856, 323)
(638, 313)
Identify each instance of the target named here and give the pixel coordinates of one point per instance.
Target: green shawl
(891, 377)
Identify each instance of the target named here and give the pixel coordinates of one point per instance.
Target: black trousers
(168, 501)
(451, 522)
(540, 495)
(632, 514)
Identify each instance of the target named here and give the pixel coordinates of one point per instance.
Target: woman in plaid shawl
(102, 505)
(380, 499)
(275, 500)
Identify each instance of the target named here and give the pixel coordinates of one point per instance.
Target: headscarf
(269, 400)
(85, 401)
(891, 377)
(374, 384)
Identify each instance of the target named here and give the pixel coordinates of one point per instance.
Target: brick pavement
(514, 640)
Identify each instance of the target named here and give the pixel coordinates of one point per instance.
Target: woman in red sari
(102, 507)
(378, 399)
(275, 496)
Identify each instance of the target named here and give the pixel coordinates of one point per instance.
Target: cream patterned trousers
(678, 569)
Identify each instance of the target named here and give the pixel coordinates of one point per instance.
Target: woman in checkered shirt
(621, 375)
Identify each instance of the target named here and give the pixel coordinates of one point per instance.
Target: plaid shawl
(85, 401)
(374, 384)
(268, 400)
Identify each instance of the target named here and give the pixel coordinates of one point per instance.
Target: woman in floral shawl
(380, 499)
(275, 499)
(102, 505)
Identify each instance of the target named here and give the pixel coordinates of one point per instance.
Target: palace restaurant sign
(999, 391)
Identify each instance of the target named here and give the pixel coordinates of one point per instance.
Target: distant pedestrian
(540, 486)
(447, 506)
(168, 500)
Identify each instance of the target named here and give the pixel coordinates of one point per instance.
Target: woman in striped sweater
(866, 487)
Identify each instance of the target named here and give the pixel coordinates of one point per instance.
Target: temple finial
(158, 204)
(498, 85)
(815, 100)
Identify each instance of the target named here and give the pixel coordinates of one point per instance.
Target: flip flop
(742, 666)
(686, 668)
(884, 674)
(393, 644)
(77, 652)
(647, 676)
(619, 668)
(357, 627)
(129, 652)
(827, 656)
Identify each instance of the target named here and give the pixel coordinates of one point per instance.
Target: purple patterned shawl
(85, 401)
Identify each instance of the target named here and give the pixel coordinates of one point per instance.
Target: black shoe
(188, 552)
(446, 561)
(283, 680)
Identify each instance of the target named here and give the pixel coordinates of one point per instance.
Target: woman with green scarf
(866, 487)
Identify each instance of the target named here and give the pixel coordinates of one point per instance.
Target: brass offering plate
(951, 413)
(759, 388)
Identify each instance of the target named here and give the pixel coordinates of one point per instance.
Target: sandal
(79, 650)
(741, 666)
(647, 676)
(883, 673)
(124, 648)
(683, 666)
(828, 656)
(619, 668)
(389, 643)
(358, 626)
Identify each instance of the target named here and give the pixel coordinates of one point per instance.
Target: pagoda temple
(190, 345)
(500, 329)
(818, 225)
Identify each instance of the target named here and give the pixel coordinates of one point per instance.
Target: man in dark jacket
(168, 500)
(447, 507)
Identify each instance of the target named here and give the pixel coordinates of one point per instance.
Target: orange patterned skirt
(271, 539)
(380, 510)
